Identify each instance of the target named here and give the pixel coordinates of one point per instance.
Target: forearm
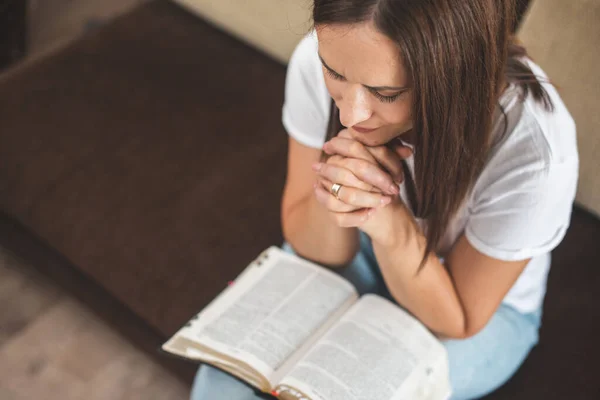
(313, 234)
(428, 293)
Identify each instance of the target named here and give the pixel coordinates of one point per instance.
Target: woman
(429, 154)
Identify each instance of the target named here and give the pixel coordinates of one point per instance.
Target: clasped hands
(368, 179)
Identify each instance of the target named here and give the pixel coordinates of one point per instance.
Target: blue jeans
(478, 365)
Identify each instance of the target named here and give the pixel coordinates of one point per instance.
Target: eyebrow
(374, 88)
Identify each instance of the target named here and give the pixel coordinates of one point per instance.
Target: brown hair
(458, 56)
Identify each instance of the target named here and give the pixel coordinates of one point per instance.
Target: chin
(370, 141)
(374, 139)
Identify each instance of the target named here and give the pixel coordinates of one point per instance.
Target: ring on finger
(335, 190)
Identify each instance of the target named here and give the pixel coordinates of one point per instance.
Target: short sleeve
(306, 105)
(525, 210)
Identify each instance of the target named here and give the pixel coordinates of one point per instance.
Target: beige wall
(273, 26)
(563, 36)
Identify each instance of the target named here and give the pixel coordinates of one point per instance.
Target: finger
(352, 219)
(331, 203)
(341, 175)
(335, 159)
(390, 161)
(356, 197)
(345, 133)
(348, 148)
(403, 151)
(372, 175)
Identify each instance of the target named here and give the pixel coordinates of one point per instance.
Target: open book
(300, 331)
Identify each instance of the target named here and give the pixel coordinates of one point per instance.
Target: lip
(363, 130)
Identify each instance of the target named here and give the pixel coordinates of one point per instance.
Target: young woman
(429, 154)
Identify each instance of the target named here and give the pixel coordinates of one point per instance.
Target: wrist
(403, 233)
(402, 250)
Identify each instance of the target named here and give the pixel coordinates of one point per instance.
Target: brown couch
(142, 167)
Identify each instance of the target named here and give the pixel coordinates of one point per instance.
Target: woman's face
(366, 79)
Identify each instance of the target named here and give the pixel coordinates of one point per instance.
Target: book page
(191, 350)
(376, 351)
(270, 311)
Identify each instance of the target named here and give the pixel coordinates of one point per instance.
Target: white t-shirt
(519, 207)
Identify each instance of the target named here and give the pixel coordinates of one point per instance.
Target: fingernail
(394, 189)
(385, 201)
(317, 167)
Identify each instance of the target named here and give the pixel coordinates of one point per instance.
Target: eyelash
(379, 96)
(334, 75)
(386, 99)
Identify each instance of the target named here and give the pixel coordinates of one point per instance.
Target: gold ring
(335, 190)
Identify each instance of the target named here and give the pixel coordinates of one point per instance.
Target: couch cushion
(564, 365)
(151, 155)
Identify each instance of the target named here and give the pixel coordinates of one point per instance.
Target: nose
(354, 107)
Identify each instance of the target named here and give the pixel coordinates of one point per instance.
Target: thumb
(344, 133)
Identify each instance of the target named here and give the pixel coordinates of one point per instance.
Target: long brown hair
(458, 56)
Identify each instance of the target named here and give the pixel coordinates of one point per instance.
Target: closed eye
(334, 75)
(384, 98)
(373, 90)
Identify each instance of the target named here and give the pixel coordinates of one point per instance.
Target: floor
(51, 346)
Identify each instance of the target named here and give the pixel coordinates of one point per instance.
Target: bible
(299, 331)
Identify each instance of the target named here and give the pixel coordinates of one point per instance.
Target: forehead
(361, 54)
